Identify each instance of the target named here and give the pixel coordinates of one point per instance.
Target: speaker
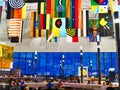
(14, 39)
(116, 16)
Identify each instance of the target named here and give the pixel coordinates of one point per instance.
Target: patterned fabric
(99, 6)
(16, 4)
(54, 17)
(94, 30)
(106, 24)
(16, 13)
(15, 30)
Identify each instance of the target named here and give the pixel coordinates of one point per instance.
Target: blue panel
(49, 54)
(70, 63)
(43, 61)
(22, 55)
(49, 60)
(70, 55)
(42, 54)
(56, 55)
(29, 55)
(77, 54)
(48, 63)
(85, 59)
(16, 55)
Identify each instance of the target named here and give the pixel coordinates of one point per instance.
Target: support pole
(99, 68)
(81, 64)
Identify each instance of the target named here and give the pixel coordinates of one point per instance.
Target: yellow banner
(24, 12)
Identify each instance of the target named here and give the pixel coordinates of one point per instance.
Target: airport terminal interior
(54, 44)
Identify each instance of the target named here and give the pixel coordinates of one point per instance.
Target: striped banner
(15, 29)
(34, 31)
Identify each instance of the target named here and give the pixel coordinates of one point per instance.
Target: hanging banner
(106, 24)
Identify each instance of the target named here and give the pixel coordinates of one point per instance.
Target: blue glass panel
(93, 54)
(42, 54)
(56, 72)
(85, 54)
(70, 63)
(69, 72)
(43, 61)
(107, 61)
(29, 55)
(57, 55)
(49, 54)
(114, 60)
(22, 64)
(85, 59)
(77, 54)
(70, 55)
(49, 60)
(16, 55)
(94, 64)
(77, 61)
(15, 63)
(65, 55)
(102, 63)
(22, 55)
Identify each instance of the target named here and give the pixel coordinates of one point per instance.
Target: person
(12, 84)
(49, 85)
(22, 84)
(60, 84)
(110, 87)
(104, 86)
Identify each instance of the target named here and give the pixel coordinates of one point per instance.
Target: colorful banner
(16, 13)
(1, 2)
(15, 30)
(16, 4)
(106, 24)
(111, 3)
(94, 30)
(55, 17)
(72, 35)
(103, 2)
(99, 6)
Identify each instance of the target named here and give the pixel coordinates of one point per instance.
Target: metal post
(118, 50)
(81, 64)
(62, 66)
(29, 64)
(90, 67)
(99, 68)
(35, 58)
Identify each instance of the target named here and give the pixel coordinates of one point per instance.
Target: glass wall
(49, 63)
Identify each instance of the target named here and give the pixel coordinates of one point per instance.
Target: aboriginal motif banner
(106, 24)
(94, 35)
